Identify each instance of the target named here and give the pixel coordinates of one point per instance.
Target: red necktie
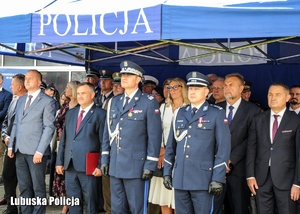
(79, 120)
(275, 126)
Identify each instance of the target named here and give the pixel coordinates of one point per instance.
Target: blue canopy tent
(167, 38)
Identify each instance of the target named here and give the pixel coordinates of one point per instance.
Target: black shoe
(3, 201)
(9, 212)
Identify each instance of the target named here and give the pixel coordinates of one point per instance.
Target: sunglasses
(174, 87)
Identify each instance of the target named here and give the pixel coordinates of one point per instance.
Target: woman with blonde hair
(59, 188)
(177, 97)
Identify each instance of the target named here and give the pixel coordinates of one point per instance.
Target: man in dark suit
(237, 195)
(295, 99)
(272, 154)
(131, 143)
(30, 137)
(82, 133)
(9, 173)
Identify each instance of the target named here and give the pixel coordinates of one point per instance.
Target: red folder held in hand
(92, 159)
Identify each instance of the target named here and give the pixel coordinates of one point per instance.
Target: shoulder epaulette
(216, 106)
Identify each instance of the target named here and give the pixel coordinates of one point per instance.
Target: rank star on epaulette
(218, 107)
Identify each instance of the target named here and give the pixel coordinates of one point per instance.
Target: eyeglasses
(155, 95)
(174, 87)
(217, 88)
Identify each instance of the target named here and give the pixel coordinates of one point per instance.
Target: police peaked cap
(93, 73)
(116, 77)
(195, 78)
(106, 74)
(151, 80)
(128, 67)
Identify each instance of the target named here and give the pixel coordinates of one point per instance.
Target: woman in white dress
(177, 97)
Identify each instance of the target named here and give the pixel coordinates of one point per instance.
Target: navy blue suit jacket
(88, 139)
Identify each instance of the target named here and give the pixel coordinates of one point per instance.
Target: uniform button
(271, 148)
(120, 128)
(190, 127)
(120, 138)
(187, 156)
(188, 146)
(189, 136)
(209, 168)
(121, 118)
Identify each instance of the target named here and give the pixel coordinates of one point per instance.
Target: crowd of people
(195, 145)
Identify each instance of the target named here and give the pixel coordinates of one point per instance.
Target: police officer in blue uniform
(197, 151)
(131, 143)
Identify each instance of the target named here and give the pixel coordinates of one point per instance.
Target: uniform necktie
(193, 111)
(230, 114)
(79, 120)
(27, 103)
(126, 102)
(275, 126)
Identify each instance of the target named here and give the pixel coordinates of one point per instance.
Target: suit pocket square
(286, 131)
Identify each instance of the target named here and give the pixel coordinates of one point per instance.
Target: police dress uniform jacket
(198, 147)
(132, 137)
(282, 154)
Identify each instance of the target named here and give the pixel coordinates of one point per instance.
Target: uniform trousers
(193, 202)
(127, 195)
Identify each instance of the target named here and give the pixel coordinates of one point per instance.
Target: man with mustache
(295, 99)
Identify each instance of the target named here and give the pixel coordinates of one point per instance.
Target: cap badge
(103, 72)
(194, 74)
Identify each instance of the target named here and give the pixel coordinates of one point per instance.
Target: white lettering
(122, 32)
(76, 33)
(94, 25)
(102, 26)
(42, 24)
(146, 23)
(55, 27)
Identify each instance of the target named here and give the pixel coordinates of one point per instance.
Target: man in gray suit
(9, 166)
(30, 137)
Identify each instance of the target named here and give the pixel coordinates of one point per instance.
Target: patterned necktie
(79, 120)
(230, 114)
(126, 102)
(275, 126)
(28, 103)
(193, 111)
